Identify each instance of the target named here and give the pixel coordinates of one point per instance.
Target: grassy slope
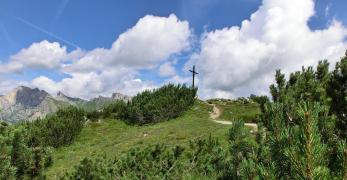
(113, 136)
(235, 110)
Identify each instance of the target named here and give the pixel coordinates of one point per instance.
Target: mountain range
(24, 103)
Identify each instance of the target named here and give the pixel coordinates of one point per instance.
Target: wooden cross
(193, 72)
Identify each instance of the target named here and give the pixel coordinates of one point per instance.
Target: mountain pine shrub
(203, 158)
(18, 159)
(337, 91)
(57, 129)
(307, 153)
(152, 106)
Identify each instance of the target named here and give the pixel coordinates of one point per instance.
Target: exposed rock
(62, 97)
(101, 98)
(24, 103)
(122, 97)
(29, 97)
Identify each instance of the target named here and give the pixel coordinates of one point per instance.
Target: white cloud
(167, 69)
(41, 55)
(179, 80)
(8, 85)
(92, 84)
(237, 61)
(152, 40)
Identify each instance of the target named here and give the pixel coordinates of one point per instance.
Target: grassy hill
(244, 110)
(111, 137)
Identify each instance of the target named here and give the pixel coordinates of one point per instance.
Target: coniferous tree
(20, 153)
(7, 171)
(337, 91)
(307, 155)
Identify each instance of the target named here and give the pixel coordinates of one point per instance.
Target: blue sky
(87, 25)
(98, 23)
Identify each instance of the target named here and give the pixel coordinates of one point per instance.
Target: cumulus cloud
(176, 79)
(102, 71)
(167, 69)
(152, 40)
(7, 85)
(41, 55)
(92, 84)
(237, 61)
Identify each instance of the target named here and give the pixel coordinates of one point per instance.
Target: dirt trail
(215, 114)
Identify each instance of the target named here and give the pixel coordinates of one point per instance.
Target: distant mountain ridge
(24, 103)
(62, 97)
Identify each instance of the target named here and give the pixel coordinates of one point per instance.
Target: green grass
(111, 137)
(237, 110)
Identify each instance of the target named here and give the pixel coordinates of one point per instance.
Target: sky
(91, 48)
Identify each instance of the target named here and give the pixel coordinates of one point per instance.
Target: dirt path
(215, 114)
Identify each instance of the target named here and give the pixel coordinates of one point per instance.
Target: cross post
(194, 73)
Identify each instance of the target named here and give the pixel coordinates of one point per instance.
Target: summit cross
(194, 73)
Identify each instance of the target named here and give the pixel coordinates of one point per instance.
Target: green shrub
(337, 91)
(56, 129)
(203, 158)
(94, 116)
(118, 109)
(18, 158)
(152, 106)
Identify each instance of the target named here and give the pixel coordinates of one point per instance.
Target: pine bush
(152, 106)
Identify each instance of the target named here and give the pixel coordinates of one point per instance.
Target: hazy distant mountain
(119, 96)
(101, 101)
(24, 103)
(73, 101)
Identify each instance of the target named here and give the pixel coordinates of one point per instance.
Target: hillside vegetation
(113, 137)
(240, 109)
(152, 106)
(26, 147)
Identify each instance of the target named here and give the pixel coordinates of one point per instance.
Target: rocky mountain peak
(25, 103)
(61, 96)
(119, 96)
(28, 97)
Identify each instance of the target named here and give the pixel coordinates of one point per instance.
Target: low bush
(152, 106)
(203, 158)
(19, 159)
(56, 129)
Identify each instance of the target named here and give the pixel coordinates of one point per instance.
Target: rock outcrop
(122, 97)
(24, 103)
(73, 101)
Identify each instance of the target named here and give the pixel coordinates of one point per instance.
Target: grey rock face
(29, 97)
(24, 103)
(73, 101)
(122, 97)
